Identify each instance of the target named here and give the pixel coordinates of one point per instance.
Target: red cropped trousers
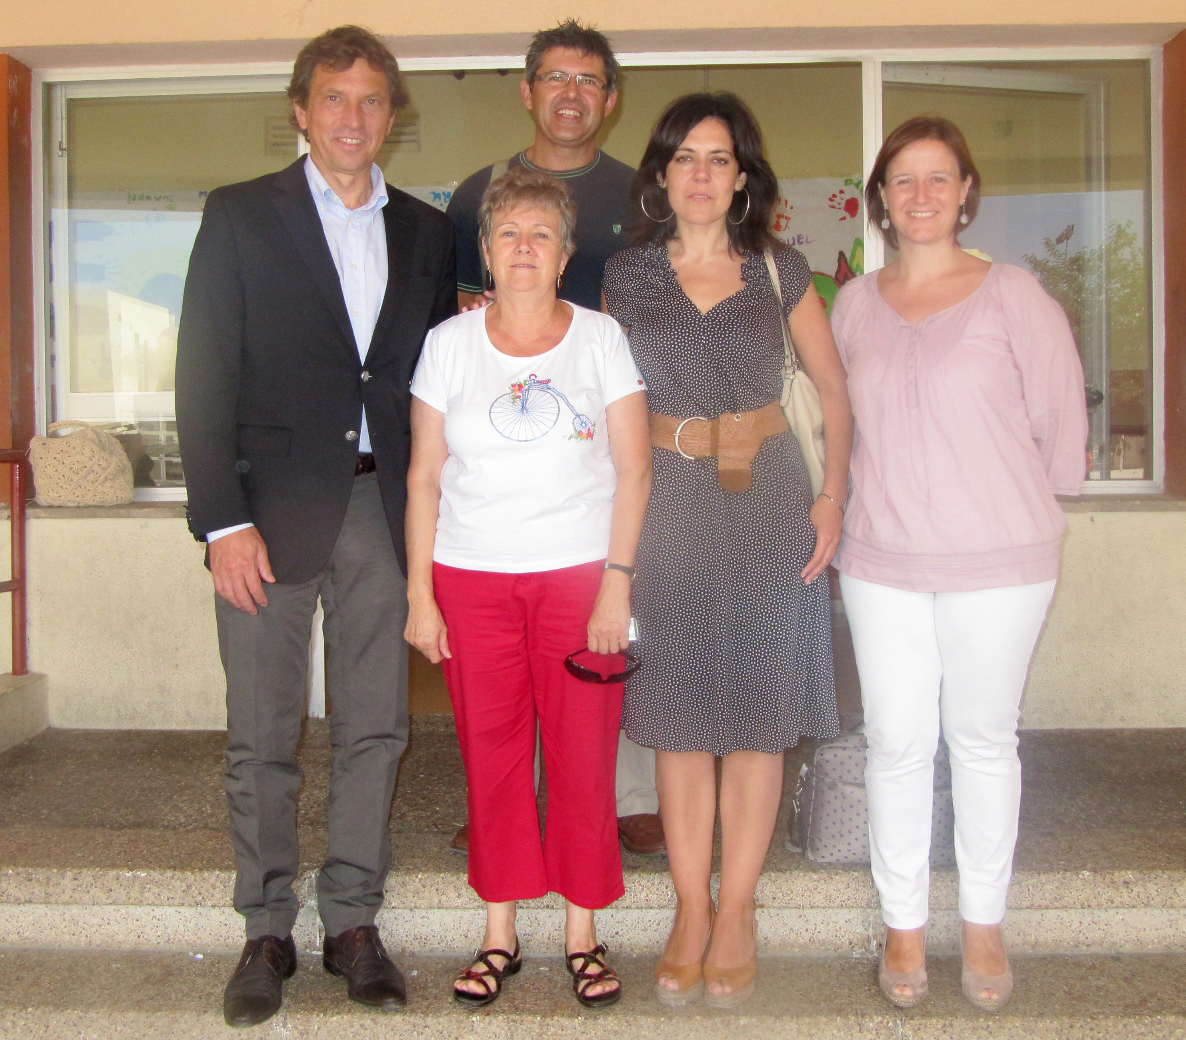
(509, 635)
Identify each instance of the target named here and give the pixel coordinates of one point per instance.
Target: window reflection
(1063, 153)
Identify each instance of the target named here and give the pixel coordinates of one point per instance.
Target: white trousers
(959, 658)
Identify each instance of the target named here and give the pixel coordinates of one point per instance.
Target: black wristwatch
(628, 571)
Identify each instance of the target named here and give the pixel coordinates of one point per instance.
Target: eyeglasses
(591, 668)
(559, 80)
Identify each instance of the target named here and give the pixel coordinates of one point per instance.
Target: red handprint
(782, 215)
(850, 205)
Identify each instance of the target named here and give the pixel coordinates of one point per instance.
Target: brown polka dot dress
(736, 650)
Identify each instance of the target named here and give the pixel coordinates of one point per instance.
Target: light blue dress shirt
(357, 241)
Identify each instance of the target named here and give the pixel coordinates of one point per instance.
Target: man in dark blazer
(308, 297)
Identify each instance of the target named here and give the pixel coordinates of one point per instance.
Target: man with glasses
(570, 85)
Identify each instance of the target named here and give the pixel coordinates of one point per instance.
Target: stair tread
(1095, 800)
(91, 859)
(119, 993)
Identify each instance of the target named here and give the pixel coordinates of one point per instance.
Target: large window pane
(461, 121)
(129, 186)
(1063, 148)
(1063, 151)
(128, 193)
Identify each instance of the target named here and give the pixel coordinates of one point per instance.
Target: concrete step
(117, 841)
(106, 995)
(801, 912)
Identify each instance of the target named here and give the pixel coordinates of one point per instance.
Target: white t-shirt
(529, 482)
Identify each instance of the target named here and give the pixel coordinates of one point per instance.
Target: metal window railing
(16, 584)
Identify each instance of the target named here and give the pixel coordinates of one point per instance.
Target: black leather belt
(365, 464)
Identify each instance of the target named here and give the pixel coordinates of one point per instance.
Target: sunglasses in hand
(601, 668)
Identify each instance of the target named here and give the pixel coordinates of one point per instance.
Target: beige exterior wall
(203, 31)
(56, 22)
(122, 623)
(1112, 653)
(121, 620)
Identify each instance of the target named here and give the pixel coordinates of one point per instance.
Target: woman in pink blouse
(968, 397)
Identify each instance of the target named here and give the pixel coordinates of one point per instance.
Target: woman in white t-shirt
(529, 480)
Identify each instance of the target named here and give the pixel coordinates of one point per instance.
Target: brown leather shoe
(642, 834)
(253, 993)
(371, 976)
(460, 842)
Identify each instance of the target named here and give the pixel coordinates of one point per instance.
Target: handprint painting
(822, 218)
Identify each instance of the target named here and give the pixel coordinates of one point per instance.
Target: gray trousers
(266, 660)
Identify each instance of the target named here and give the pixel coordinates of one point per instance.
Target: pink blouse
(968, 424)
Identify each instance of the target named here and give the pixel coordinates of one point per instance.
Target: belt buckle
(679, 429)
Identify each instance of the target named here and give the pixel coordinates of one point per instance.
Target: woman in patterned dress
(730, 595)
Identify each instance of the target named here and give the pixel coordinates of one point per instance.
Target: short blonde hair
(520, 186)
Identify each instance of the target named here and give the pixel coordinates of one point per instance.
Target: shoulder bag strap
(790, 358)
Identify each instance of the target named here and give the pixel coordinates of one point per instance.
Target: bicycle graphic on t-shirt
(532, 408)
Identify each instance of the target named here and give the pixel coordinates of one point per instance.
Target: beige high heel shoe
(974, 983)
(913, 982)
(688, 978)
(741, 981)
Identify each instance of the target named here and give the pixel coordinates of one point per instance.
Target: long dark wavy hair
(750, 233)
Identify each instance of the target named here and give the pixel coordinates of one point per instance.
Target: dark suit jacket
(270, 389)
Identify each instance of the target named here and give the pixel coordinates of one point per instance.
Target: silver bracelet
(824, 494)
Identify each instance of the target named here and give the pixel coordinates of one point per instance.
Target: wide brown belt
(733, 438)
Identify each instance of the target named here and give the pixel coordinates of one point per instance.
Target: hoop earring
(963, 215)
(559, 282)
(741, 219)
(642, 202)
(487, 281)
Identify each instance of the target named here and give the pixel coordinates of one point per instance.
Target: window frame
(54, 87)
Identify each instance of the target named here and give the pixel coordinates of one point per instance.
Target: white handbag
(800, 398)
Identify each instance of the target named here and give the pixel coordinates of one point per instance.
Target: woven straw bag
(88, 467)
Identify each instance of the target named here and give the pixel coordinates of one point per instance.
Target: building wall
(121, 620)
(64, 22)
(67, 32)
(122, 623)
(1112, 653)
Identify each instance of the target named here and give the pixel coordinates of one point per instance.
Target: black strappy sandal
(579, 965)
(489, 976)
